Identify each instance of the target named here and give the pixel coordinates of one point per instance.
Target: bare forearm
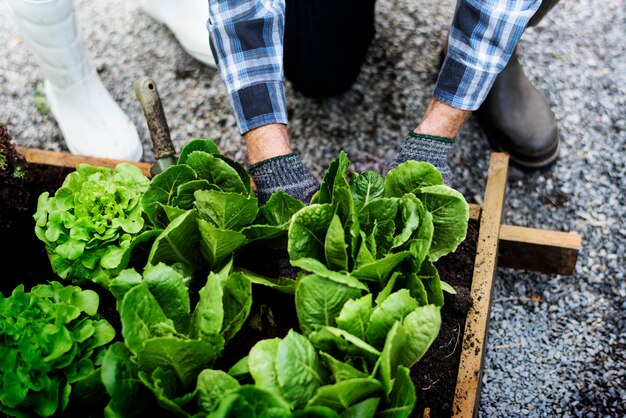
(441, 120)
(267, 142)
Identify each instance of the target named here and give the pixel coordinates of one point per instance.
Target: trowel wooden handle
(148, 96)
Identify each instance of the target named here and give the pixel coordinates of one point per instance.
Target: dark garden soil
(23, 256)
(24, 260)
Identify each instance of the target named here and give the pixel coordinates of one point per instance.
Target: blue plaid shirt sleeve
(482, 39)
(247, 43)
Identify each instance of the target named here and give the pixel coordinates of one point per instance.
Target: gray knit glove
(432, 149)
(286, 173)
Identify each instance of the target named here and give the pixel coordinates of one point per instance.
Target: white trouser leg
(187, 20)
(92, 123)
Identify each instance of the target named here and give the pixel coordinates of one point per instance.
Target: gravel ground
(556, 345)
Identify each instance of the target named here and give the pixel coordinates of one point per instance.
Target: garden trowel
(164, 152)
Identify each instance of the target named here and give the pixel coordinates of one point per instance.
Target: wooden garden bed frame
(501, 245)
(498, 245)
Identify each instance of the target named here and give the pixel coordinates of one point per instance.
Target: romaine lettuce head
(89, 223)
(368, 226)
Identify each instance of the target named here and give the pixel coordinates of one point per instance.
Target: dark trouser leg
(325, 43)
(545, 7)
(515, 116)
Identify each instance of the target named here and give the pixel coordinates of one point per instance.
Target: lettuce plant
(170, 343)
(89, 223)
(374, 235)
(293, 377)
(367, 228)
(50, 341)
(351, 361)
(205, 202)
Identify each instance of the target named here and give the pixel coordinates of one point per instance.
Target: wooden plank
(472, 355)
(530, 249)
(64, 159)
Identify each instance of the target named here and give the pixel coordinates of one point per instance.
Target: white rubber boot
(187, 20)
(92, 123)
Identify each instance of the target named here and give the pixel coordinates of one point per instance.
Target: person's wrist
(441, 120)
(268, 141)
(436, 130)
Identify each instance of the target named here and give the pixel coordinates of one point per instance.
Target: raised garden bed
(447, 379)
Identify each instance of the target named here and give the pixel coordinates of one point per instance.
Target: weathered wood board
(470, 368)
(64, 159)
(551, 252)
